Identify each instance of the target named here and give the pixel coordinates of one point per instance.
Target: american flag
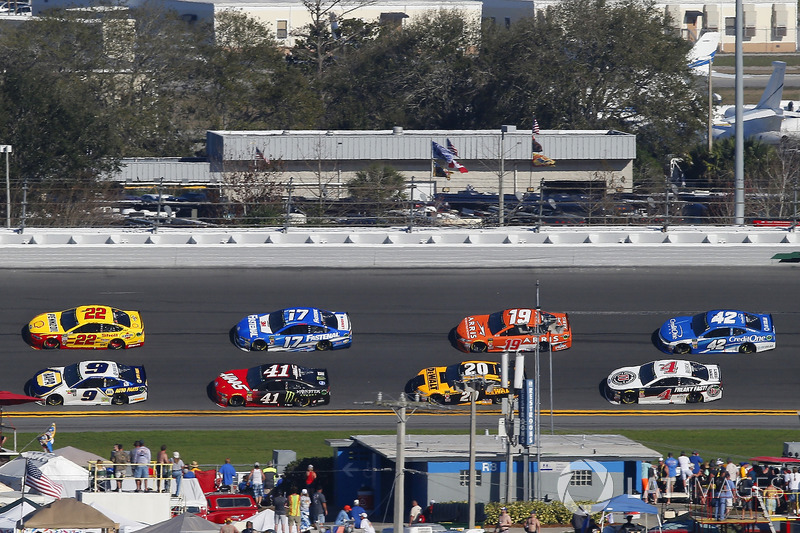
(535, 126)
(261, 156)
(452, 149)
(36, 480)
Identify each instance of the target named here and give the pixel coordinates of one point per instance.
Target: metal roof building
(581, 467)
(321, 162)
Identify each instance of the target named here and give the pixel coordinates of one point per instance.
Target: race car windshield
(71, 375)
(121, 318)
(752, 321)
(699, 371)
(646, 373)
(276, 322)
(452, 374)
(255, 376)
(69, 319)
(329, 319)
(496, 323)
(699, 324)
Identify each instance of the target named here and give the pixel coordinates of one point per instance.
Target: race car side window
(300, 329)
(89, 328)
(111, 328)
(317, 329)
(689, 381)
(92, 383)
(667, 382)
(739, 331)
(719, 332)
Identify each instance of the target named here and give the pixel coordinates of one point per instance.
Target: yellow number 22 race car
(87, 327)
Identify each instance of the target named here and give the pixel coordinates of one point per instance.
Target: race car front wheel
(119, 399)
(628, 397)
(116, 344)
(694, 397)
(747, 348)
(437, 398)
(51, 343)
(477, 347)
(681, 349)
(236, 401)
(259, 345)
(323, 345)
(55, 399)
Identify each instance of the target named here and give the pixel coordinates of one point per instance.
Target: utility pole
(7, 149)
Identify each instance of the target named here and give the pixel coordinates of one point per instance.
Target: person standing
(120, 458)
(532, 524)
(366, 525)
(280, 504)
(141, 458)
(248, 527)
(724, 493)
(228, 527)
(163, 470)
(294, 510)
(177, 471)
(672, 472)
(685, 470)
(503, 521)
(311, 478)
(696, 461)
(319, 509)
(793, 488)
(257, 483)
(270, 473)
(355, 513)
(305, 511)
(415, 513)
(227, 472)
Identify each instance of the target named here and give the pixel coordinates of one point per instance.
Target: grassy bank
(247, 445)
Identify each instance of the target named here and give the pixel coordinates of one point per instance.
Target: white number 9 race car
(89, 383)
(665, 381)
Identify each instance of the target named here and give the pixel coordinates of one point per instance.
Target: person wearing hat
(343, 517)
(355, 513)
(532, 524)
(503, 521)
(311, 478)
(305, 511)
(366, 525)
(257, 483)
(189, 470)
(280, 505)
(228, 527)
(177, 471)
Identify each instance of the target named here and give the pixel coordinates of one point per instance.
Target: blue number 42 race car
(718, 331)
(298, 329)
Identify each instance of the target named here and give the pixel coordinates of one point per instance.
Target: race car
(273, 385)
(449, 384)
(89, 383)
(513, 330)
(717, 331)
(665, 381)
(298, 329)
(87, 326)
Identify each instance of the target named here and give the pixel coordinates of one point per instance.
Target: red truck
(222, 505)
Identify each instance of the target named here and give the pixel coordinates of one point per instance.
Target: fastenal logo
(606, 483)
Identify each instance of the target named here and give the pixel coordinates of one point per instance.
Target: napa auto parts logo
(582, 468)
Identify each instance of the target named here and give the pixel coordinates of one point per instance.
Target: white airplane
(702, 53)
(769, 121)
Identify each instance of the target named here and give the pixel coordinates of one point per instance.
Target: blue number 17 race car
(718, 331)
(298, 329)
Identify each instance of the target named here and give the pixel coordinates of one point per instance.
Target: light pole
(7, 149)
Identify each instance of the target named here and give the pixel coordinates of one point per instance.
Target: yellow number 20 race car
(450, 385)
(87, 327)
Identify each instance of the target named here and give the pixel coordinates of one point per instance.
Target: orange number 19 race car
(87, 326)
(513, 330)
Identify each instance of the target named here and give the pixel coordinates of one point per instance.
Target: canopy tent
(67, 513)
(78, 456)
(263, 521)
(58, 469)
(183, 523)
(13, 512)
(193, 495)
(126, 525)
(626, 504)
(10, 398)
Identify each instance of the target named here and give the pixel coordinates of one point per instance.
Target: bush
(548, 513)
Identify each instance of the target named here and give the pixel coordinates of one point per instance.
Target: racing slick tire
(119, 399)
(478, 347)
(681, 348)
(51, 343)
(437, 398)
(544, 347)
(302, 402)
(236, 401)
(323, 346)
(694, 397)
(259, 345)
(747, 348)
(116, 344)
(54, 399)
(628, 397)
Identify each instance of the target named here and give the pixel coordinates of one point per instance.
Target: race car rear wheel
(51, 343)
(236, 401)
(544, 346)
(323, 346)
(747, 348)
(478, 347)
(55, 399)
(628, 397)
(681, 349)
(116, 344)
(437, 398)
(694, 397)
(259, 345)
(119, 399)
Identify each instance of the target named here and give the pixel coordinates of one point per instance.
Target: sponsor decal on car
(252, 324)
(474, 328)
(673, 329)
(320, 337)
(692, 388)
(623, 377)
(714, 391)
(234, 382)
(52, 322)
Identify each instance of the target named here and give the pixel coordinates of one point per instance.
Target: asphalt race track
(401, 319)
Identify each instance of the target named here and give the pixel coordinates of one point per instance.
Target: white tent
(13, 512)
(60, 470)
(126, 525)
(192, 493)
(261, 522)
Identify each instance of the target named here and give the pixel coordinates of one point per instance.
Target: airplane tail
(702, 53)
(771, 99)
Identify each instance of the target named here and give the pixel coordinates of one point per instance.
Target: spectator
(257, 483)
(228, 527)
(652, 483)
(163, 471)
(311, 478)
(733, 470)
(294, 510)
(771, 495)
(248, 527)
(120, 458)
(366, 525)
(427, 514)
(305, 511)
(672, 472)
(724, 493)
(141, 459)
(270, 473)
(244, 485)
(503, 521)
(319, 509)
(177, 471)
(280, 504)
(188, 473)
(532, 524)
(355, 513)
(696, 461)
(343, 516)
(793, 488)
(685, 470)
(227, 472)
(628, 525)
(415, 514)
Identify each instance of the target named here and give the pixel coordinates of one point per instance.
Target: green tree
(378, 186)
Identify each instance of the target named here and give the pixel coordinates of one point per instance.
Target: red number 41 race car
(513, 330)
